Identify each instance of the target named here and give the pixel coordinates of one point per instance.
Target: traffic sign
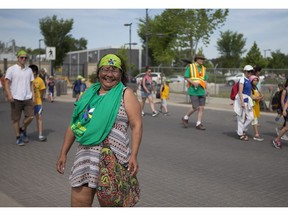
(50, 53)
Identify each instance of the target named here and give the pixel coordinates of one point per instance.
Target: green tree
(278, 60)
(56, 34)
(230, 46)
(80, 44)
(254, 57)
(179, 29)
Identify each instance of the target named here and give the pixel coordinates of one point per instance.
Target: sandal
(243, 137)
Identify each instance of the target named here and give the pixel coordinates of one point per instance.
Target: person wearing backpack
(283, 99)
(243, 104)
(276, 142)
(77, 87)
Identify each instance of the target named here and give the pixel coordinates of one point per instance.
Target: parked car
(231, 80)
(156, 77)
(176, 78)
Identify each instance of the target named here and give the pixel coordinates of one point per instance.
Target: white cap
(248, 68)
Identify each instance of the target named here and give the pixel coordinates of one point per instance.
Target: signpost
(51, 55)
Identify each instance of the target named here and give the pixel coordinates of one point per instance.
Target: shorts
(164, 102)
(18, 106)
(144, 94)
(255, 121)
(197, 101)
(38, 109)
(51, 93)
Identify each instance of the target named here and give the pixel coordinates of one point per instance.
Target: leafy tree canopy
(56, 33)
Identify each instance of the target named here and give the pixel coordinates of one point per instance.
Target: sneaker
(200, 127)
(165, 113)
(42, 138)
(284, 137)
(143, 113)
(155, 113)
(276, 144)
(185, 122)
(23, 135)
(19, 141)
(258, 138)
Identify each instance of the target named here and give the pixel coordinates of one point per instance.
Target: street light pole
(129, 68)
(147, 35)
(40, 53)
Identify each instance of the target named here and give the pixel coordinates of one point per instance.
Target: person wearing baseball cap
(243, 104)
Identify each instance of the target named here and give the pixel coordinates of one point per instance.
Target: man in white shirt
(20, 93)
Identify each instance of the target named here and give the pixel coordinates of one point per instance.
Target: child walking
(51, 86)
(39, 91)
(164, 92)
(256, 96)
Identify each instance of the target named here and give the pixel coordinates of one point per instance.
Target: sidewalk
(177, 99)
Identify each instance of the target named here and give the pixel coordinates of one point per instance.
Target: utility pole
(147, 37)
(129, 68)
(40, 53)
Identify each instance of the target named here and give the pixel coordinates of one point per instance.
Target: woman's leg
(151, 102)
(82, 196)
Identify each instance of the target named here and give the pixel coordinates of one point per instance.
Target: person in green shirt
(196, 77)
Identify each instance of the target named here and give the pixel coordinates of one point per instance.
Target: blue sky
(105, 27)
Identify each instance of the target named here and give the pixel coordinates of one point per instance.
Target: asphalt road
(179, 167)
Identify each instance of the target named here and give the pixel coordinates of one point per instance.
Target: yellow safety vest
(196, 76)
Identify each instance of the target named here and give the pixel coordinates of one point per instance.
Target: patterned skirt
(85, 169)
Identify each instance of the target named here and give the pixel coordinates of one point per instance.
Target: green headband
(21, 52)
(111, 60)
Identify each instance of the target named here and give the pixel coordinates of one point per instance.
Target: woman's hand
(133, 166)
(60, 166)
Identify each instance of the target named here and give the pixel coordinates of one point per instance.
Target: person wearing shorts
(20, 93)
(146, 92)
(196, 77)
(39, 92)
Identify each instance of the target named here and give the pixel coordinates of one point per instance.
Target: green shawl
(90, 126)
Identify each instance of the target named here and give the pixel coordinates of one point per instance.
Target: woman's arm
(133, 110)
(69, 138)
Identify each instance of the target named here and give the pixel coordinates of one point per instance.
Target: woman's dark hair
(124, 78)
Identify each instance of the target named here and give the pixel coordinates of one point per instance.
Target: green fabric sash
(90, 126)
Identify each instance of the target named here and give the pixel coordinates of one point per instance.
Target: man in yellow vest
(196, 77)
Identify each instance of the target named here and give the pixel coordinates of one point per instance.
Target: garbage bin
(58, 88)
(63, 87)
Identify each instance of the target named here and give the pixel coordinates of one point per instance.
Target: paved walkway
(175, 99)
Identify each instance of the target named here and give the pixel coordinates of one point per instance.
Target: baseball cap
(248, 68)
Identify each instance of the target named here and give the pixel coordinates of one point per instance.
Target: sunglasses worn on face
(23, 57)
(106, 70)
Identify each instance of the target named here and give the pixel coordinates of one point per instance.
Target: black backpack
(276, 100)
